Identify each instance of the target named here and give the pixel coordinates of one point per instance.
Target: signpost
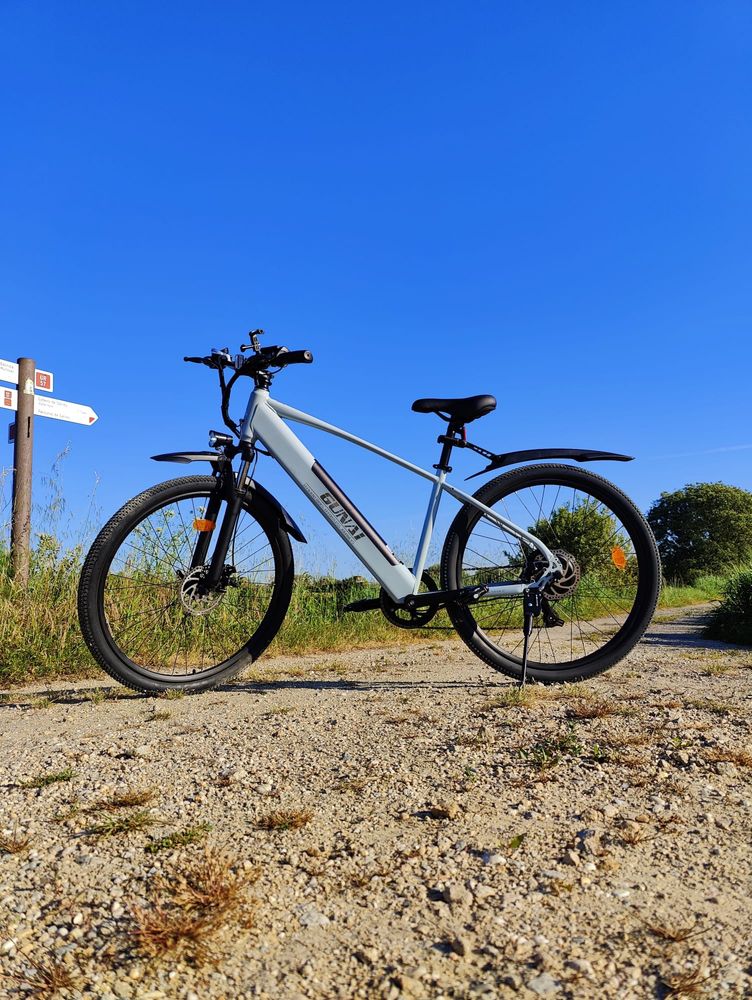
(23, 399)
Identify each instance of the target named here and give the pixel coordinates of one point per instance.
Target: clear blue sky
(550, 202)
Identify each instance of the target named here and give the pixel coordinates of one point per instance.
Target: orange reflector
(201, 524)
(618, 558)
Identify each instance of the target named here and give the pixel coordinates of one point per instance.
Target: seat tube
(425, 537)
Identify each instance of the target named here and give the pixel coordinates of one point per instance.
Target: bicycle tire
(100, 584)
(646, 568)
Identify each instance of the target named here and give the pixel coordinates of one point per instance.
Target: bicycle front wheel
(604, 600)
(144, 613)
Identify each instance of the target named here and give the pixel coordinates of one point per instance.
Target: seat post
(448, 441)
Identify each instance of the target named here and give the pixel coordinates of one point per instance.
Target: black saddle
(457, 411)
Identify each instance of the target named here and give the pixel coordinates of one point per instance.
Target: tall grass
(40, 638)
(732, 620)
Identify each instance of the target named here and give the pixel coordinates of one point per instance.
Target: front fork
(232, 491)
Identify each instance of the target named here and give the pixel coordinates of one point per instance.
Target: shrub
(732, 620)
(702, 528)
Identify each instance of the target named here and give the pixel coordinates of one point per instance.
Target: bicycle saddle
(459, 411)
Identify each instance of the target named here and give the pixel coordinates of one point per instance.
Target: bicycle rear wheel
(600, 607)
(143, 611)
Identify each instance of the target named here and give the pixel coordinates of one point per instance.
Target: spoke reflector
(618, 557)
(202, 524)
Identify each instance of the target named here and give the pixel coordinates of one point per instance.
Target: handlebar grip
(296, 358)
(196, 361)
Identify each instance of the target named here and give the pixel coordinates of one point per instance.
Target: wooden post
(20, 535)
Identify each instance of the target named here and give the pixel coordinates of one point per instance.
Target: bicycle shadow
(114, 693)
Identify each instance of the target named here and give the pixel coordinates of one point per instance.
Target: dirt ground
(385, 823)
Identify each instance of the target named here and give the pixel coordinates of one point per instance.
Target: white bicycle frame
(264, 421)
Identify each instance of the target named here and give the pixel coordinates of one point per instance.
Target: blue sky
(549, 202)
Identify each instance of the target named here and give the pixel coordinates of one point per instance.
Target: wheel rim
(600, 590)
(154, 610)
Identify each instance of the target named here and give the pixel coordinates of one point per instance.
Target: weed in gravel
(482, 737)
(70, 809)
(674, 786)
(547, 753)
(158, 716)
(717, 669)
(674, 934)
(634, 835)
(43, 702)
(279, 710)
(43, 780)
(190, 905)
(516, 842)
(594, 708)
(191, 835)
(352, 784)
(514, 697)
(742, 758)
(125, 800)
(12, 843)
(130, 823)
(96, 695)
(46, 978)
(710, 705)
(174, 694)
(285, 819)
(686, 984)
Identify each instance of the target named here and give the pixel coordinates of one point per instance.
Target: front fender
(534, 454)
(218, 462)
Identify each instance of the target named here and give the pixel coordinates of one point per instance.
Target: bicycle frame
(264, 421)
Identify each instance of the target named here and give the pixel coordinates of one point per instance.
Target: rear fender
(534, 454)
(256, 489)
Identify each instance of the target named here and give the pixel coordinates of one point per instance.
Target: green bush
(704, 528)
(732, 620)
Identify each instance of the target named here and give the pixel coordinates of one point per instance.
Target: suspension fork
(232, 491)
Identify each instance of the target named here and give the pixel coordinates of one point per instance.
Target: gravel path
(385, 823)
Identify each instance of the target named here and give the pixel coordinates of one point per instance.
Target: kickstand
(531, 607)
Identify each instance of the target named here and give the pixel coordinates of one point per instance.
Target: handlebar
(268, 357)
(260, 366)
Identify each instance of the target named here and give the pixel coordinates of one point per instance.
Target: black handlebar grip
(196, 361)
(297, 358)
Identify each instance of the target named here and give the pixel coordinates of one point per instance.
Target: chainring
(404, 617)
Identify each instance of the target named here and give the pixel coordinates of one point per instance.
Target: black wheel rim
(604, 543)
(155, 612)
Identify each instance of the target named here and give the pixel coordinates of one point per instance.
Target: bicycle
(547, 572)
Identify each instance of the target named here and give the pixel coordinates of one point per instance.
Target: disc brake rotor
(194, 598)
(566, 584)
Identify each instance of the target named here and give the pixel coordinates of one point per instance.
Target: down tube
(332, 502)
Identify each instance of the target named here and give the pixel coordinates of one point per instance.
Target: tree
(703, 528)
(586, 532)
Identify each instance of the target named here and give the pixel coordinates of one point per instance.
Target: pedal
(368, 604)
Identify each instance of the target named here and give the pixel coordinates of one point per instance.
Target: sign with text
(9, 373)
(57, 409)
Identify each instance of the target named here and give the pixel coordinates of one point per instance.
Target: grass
(742, 758)
(285, 819)
(189, 906)
(45, 979)
(13, 844)
(183, 838)
(40, 638)
(43, 780)
(124, 800)
(38, 624)
(130, 823)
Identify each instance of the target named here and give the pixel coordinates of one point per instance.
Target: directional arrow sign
(45, 406)
(9, 373)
